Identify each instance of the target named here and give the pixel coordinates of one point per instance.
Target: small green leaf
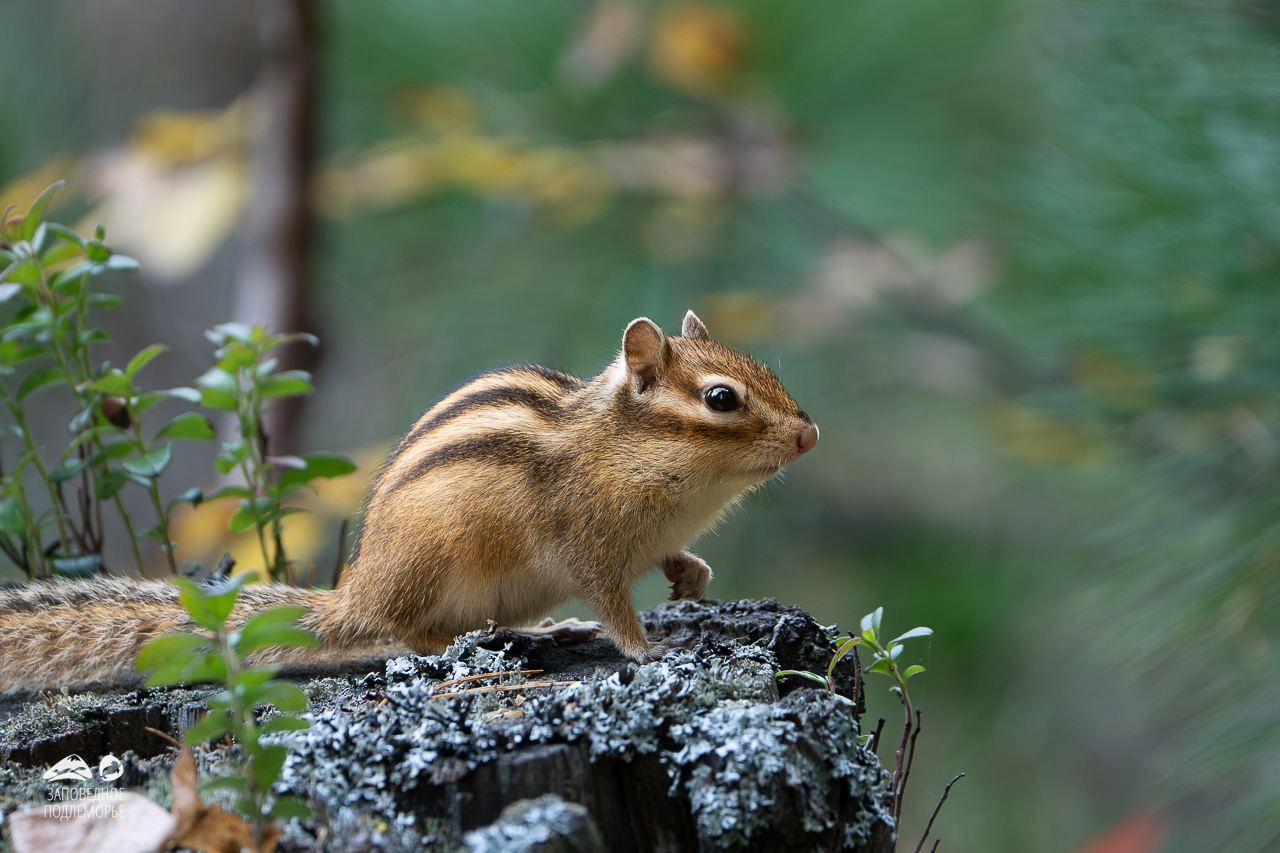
(845, 647)
(914, 669)
(285, 696)
(319, 466)
(143, 358)
(113, 451)
(114, 384)
(188, 426)
(41, 377)
(230, 491)
(108, 485)
(912, 634)
(233, 783)
(220, 601)
(800, 673)
(167, 648)
(284, 723)
(35, 215)
(209, 727)
(65, 233)
(222, 401)
(11, 518)
(245, 517)
(196, 603)
(150, 464)
(193, 496)
(286, 614)
(69, 469)
(224, 332)
(286, 807)
(267, 764)
(882, 665)
(275, 636)
(76, 567)
(290, 383)
(191, 395)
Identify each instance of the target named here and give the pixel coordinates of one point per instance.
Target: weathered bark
(704, 749)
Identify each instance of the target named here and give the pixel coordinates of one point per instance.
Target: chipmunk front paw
(689, 575)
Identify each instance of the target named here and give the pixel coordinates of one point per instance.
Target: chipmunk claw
(662, 648)
(689, 575)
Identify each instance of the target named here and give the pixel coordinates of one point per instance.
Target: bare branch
(929, 826)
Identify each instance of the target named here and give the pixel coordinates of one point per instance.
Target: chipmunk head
(735, 413)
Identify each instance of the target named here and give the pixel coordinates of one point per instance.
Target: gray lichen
(394, 761)
(546, 824)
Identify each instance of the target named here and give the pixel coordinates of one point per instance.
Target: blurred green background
(1018, 260)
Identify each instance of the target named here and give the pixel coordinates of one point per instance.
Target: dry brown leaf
(211, 829)
(119, 821)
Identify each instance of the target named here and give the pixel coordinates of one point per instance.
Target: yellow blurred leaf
(1115, 381)
(699, 47)
(440, 108)
(176, 138)
(171, 218)
(1036, 437)
(741, 315)
(393, 173)
(24, 189)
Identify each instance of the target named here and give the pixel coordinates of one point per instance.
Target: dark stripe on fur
(542, 405)
(530, 398)
(503, 448)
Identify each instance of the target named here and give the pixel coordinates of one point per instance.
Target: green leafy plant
(219, 653)
(244, 382)
(48, 336)
(46, 342)
(884, 661)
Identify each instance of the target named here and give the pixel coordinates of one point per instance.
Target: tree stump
(508, 743)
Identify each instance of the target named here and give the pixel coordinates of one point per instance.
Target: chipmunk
(522, 489)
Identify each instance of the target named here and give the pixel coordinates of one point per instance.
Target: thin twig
(874, 743)
(906, 772)
(928, 827)
(900, 757)
(934, 848)
(503, 688)
(164, 735)
(481, 675)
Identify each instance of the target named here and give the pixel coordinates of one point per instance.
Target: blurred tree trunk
(279, 228)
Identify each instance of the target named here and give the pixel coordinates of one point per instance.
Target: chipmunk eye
(721, 398)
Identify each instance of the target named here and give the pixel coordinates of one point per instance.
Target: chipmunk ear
(644, 348)
(693, 327)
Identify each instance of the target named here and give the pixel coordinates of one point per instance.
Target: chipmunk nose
(807, 437)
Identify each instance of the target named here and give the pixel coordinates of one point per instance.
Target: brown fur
(518, 491)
